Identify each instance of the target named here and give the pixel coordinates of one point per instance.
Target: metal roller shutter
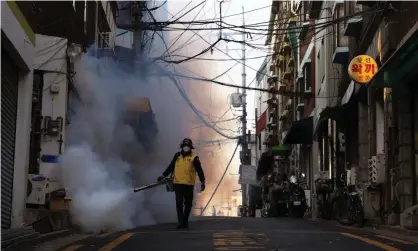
(9, 94)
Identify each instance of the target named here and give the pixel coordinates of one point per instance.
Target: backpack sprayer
(167, 181)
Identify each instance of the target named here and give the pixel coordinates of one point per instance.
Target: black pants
(184, 202)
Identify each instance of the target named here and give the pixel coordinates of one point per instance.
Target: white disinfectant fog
(103, 160)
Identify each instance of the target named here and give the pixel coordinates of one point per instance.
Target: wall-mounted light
(73, 51)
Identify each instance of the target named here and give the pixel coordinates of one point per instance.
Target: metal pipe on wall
(371, 107)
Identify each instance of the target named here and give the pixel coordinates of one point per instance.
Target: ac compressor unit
(38, 186)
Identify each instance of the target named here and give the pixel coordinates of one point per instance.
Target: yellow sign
(362, 69)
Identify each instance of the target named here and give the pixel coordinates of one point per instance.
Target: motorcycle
(296, 202)
(274, 202)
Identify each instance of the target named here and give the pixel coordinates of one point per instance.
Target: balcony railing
(341, 55)
(287, 75)
(300, 107)
(286, 48)
(353, 27)
(304, 31)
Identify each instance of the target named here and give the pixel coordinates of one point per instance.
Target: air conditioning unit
(358, 7)
(38, 186)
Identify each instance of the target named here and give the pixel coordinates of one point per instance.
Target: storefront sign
(362, 69)
(248, 175)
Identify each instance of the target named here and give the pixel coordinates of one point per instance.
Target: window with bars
(104, 41)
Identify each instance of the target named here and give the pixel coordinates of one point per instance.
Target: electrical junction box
(54, 88)
(38, 186)
(53, 127)
(236, 100)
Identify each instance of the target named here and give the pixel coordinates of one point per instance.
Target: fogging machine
(167, 181)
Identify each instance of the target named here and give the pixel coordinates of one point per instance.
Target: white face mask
(186, 149)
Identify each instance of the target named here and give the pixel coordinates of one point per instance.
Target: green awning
(280, 150)
(400, 65)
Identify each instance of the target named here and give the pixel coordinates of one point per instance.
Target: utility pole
(245, 160)
(220, 18)
(137, 33)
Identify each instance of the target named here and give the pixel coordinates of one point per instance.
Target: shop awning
(333, 113)
(264, 164)
(280, 150)
(300, 132)
(355, 91)
(402, 64)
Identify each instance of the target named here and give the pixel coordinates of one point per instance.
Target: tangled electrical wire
(260, 28)
(255, 29)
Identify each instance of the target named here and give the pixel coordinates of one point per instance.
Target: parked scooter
(274, 197)
(296, 202)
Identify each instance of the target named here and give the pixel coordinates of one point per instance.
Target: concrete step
(7, 234)
(29, 243)
(13, 236)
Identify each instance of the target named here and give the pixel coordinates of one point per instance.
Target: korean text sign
(362, 69)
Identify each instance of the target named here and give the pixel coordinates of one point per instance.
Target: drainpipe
(371, 106)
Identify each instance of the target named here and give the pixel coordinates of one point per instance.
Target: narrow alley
(227, 233)
(209, 125)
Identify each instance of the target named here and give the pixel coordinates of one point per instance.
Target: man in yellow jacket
(184, 166)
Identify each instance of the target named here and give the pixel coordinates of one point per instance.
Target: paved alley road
(244, 234)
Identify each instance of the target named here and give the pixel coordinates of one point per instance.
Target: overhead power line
(220, 180)
(194, 109)
(250, 27)
(285, 93)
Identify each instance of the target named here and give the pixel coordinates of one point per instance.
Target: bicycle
(324, 188)
(347, 205)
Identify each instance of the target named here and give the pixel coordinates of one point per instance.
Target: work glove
(160, 178)
(202, 187)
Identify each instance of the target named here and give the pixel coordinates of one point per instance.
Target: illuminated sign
(362, 69)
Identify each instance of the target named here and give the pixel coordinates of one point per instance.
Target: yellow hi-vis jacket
(184, 168)
(184, 171)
